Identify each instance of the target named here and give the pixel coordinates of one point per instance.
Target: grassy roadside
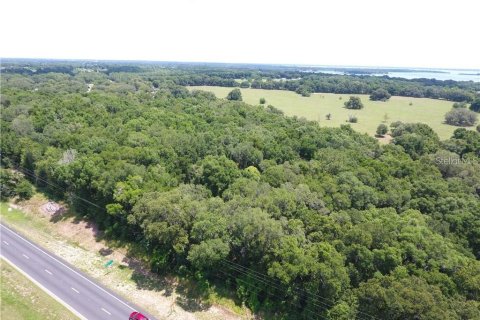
(22, 299)
(77, 242)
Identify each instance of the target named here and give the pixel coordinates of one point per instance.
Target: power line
(316, 298)
(269, 283)
(267, 292)
(330, 303)
(33, 175)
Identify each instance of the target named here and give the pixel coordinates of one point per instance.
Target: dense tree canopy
(300, 221)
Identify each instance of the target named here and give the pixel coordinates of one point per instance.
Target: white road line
(53, 258)
(69, 307)
(48, 272)
(26, 257)
(75, 290)
(106, 311)
(6, 242)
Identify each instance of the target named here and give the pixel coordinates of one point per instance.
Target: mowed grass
(317, 106)
(22, 299)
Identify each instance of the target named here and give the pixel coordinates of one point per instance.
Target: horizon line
(306, 65)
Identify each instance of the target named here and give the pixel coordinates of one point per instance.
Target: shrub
(352, 119)
(354, 103)
(386, 118)
(24, 190)
(461, 117)
(262, 100)
(478, 128)
(304, 91)
(458, 105)
(382, 130)
(380, 95)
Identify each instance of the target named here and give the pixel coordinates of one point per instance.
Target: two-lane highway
(84, 297)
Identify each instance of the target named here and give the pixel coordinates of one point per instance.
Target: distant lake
(457, 75)
(439, 74)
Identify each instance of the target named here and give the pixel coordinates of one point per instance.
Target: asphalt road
(84, 297)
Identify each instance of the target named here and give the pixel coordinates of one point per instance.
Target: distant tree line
(345, 84)
(302, 81)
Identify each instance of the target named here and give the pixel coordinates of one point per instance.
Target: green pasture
(317, 106)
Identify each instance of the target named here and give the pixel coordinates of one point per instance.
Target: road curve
(84, 297)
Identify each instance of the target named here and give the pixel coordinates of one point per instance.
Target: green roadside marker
(108, 264)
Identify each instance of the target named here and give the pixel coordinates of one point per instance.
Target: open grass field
(22, 299)
(317, 106)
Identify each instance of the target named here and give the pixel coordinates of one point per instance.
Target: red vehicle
(137, 316)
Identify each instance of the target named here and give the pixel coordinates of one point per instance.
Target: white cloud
(342, 32)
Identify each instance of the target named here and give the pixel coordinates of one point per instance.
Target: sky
(406, 33)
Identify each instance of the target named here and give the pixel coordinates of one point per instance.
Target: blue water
(439, 74)
(457, 75)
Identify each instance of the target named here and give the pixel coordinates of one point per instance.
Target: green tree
(263, 100)
(166, 218)
(352, 119)
(395, 124)
(245, 154)
(468, 279)
(216, 172)
(8, 182)
(416, 138)
(380, 95)
(245, 84)
(305, 91)
(22, 125)
(208, 254)
(461, 117)
(235, 95)
(354, 103)
(24, 189)
(382, 129)
(475, 105)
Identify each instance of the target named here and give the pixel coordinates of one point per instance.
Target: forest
(299, 221)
